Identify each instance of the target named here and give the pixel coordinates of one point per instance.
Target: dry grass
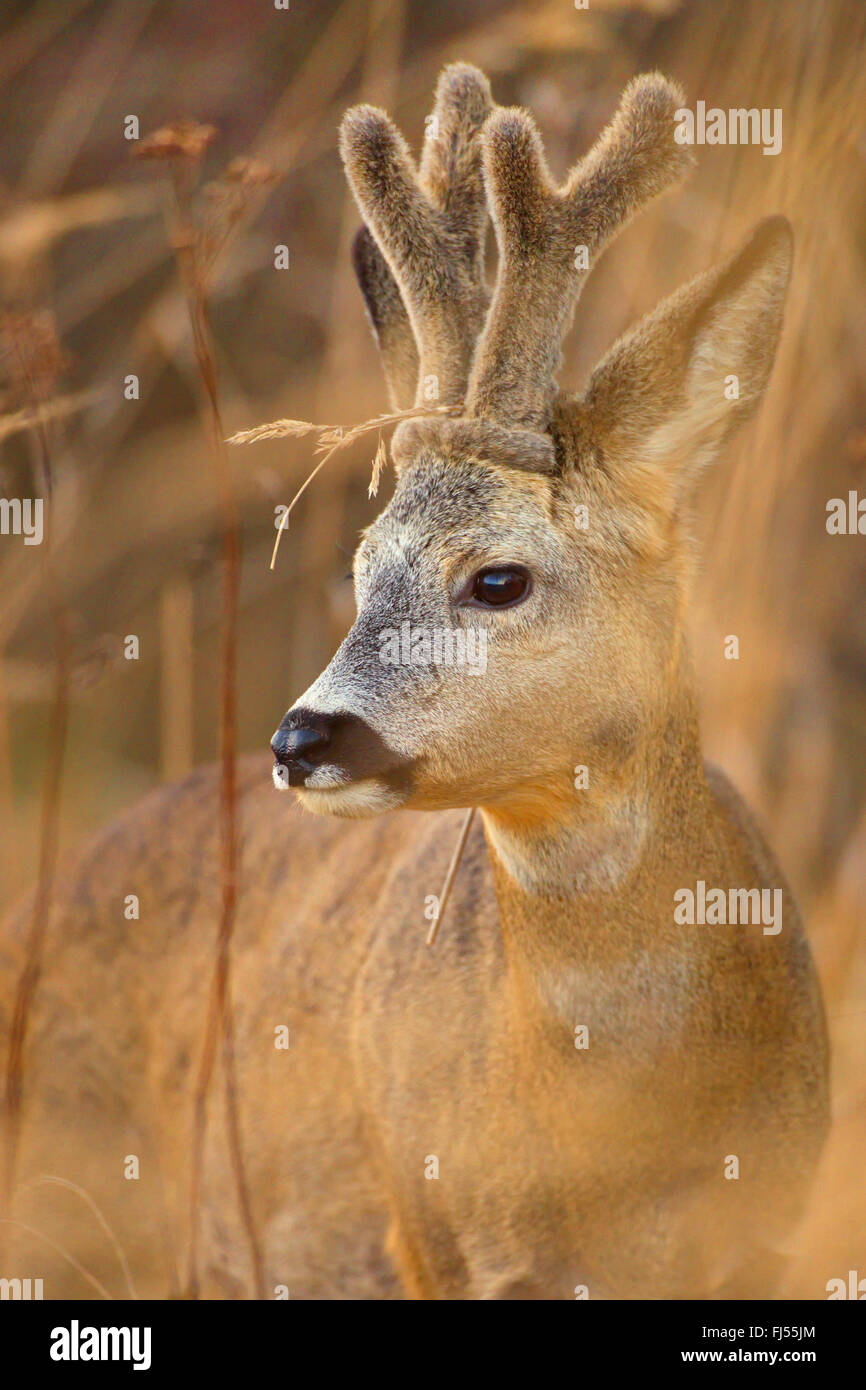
(180, 148)
(32, 362)
(81, 231)
(332, 438)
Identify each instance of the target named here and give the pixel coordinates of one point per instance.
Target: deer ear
(671, 391)
(388, 318)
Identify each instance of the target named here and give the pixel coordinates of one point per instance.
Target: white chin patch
(369, 797)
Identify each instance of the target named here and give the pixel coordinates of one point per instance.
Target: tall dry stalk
(33, 361)
(182, 147)
(7, 842)
(176, 678)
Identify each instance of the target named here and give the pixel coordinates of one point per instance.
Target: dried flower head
(183, 139)
(379, 463)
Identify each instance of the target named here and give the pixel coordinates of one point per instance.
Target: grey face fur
(556, 688)
(448, 520)
(586, 496)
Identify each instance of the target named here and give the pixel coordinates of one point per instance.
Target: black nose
(301, 742)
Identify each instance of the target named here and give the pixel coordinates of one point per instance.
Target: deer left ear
(671, 391)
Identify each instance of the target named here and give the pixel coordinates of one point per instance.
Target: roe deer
(560, 1096)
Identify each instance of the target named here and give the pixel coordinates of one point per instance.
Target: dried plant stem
(284, 519)
(32, 970)
(449, 877)
(70, 1259)
(276, 429)
(8, 844)
(176, 616)
(28, 981)
(52, 1180)
(331, 438)
(219, 1025)
(336, 435)
(51, 410)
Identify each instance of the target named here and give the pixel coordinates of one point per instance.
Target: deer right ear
(671, 391)
(388, 318)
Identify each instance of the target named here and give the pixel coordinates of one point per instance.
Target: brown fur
(549, 1173)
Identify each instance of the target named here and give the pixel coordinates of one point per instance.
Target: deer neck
(582, 878)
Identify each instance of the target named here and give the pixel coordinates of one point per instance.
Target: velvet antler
(548, 238)
(427, 228)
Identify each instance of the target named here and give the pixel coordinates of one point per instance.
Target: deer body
(602, 1167)
(557, 1167)
(574, 1090)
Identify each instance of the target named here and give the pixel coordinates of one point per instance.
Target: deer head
(520, 599)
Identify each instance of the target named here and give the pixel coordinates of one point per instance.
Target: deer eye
(500, 587)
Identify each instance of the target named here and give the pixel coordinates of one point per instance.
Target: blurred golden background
(83, 238)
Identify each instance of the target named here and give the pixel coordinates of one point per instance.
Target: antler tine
(542, 231)
(429, 224)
